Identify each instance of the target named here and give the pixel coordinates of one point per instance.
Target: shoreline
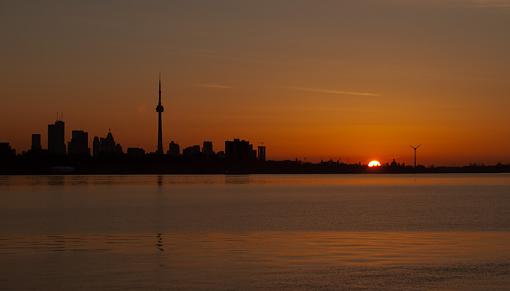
(219, 173)
(168, 166)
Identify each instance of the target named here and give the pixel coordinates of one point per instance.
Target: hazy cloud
(335, 92)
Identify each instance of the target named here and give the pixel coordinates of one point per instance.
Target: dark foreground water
(302, 232)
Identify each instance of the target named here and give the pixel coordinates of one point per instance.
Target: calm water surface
(266, 232)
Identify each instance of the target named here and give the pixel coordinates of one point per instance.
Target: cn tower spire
(159, 103)
(159, 110)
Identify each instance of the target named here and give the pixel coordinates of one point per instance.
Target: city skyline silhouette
(318, 88)
(255, 145)
(58, 145)
(107, 156)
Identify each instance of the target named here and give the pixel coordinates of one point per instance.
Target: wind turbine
(415, 148)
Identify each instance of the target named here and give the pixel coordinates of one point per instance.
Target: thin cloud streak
(335, 92)
(214, 86)
(491, 3)
(460, 3)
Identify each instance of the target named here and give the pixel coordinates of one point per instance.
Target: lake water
(264, 232)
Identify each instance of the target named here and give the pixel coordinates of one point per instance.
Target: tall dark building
(56, 138)
(159, 110)
(261, 155)
(79, 144)
(36, 142)
(173, 149)
(207, 149)
(239, 150)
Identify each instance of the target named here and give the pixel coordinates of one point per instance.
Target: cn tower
(159, 110)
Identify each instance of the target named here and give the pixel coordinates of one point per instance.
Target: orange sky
(329, 79)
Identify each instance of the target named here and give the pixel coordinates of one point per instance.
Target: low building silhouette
(207, 149)
(173, 149)
(261, 153)
(135, 152)
(220, 155)
(106, 147)
(239, 150)
(6, 151)
(191, 151)
(36, 143)
(79, 144)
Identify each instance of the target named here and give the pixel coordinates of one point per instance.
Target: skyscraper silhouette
(56, 138)
(159, 110)
(79, 144)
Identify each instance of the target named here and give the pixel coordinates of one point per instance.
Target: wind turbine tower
(415, 148)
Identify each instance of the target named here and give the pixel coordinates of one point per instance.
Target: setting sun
(374, 164)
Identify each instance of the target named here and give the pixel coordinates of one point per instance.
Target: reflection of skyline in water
(237, 179)
(159, 242)
(255, 232)
(332, 248)
(274, 260)
(97, 204)
(282, 248)
(283, 179)
(56, 180)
